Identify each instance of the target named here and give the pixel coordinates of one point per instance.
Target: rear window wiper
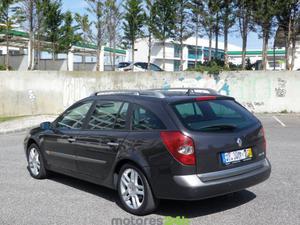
(218, 127)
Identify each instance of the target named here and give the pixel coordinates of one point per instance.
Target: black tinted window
(213, 115)
(143, 119)
(104, 116)
(74, 118)
(122, 65)
(121, 117)
(154, 67)
(142, 65)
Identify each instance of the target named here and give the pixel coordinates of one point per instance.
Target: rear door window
(213, 115)
(108, 116)
(144, 119)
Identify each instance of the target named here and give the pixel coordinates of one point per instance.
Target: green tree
(53, 20)
(113, 18)
(27, 17)
(228, 20)
(96, 9)
(69, 34)
(133, 22)
(7, 17)
(264, 12)
(287, 14)
(183, 29)
(208, 22)
(217, 7)
(197, 9)
(150, 25)
(41, 7)
(245, 24)
(164, 22)
(85, 26)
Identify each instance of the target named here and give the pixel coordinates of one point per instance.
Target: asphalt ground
(64, 200)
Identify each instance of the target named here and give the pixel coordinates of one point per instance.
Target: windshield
(213, 115)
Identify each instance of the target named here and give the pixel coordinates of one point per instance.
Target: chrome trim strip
(74, 157)
(232, 172)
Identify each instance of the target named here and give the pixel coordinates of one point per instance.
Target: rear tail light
(262, 134)
(180, 146)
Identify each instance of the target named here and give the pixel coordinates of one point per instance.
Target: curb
(17, 130)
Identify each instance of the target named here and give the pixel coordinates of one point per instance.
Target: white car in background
(138, 67)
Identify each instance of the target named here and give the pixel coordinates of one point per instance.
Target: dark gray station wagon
(184, 144)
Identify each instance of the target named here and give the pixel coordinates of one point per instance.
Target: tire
(36, 166)
(132, 199)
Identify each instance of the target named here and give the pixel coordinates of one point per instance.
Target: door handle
(113, 144)
(71, 140)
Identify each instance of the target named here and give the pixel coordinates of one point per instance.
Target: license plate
(236, 156)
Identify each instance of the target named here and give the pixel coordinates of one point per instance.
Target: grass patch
(8, 118)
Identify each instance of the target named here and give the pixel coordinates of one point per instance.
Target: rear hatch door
(225, 134)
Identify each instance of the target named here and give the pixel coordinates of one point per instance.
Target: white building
(255, 57)
(173, 51)
(172, 59)
(81, 56)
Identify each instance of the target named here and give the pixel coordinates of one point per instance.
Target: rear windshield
(213, 115)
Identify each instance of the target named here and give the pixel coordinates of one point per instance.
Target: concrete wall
(17, 62)
(25, 93)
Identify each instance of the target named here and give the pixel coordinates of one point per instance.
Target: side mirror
(46, 126)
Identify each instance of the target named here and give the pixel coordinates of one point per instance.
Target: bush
(3, 67)
(213, 67)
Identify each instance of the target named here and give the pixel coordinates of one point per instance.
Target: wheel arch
(122, 162)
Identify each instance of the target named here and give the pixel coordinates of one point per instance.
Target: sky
(78, 6)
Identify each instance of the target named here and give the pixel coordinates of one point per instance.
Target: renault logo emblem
(239, 142)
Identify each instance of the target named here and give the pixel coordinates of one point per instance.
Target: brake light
(262, 134)
(180, 146)
(205, 98)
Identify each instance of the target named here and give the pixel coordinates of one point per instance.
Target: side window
(74, 118)
(189, 109)
(104, 116)
(221, 110)
(143, 119)
(121, 117)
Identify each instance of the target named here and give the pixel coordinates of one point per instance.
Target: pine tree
(150, 26)
(134, 20)
(245, 24)
(183, 28)
(96, 9)
(7, 17)
(113, 20)
(228, 20)
(69, 34)
(197, 8)
(164, 22)
(52, 24)
(264, 12)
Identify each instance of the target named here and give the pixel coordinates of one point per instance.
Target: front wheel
(35, 162)
(135, 192)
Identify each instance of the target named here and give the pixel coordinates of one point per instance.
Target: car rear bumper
(201, 186)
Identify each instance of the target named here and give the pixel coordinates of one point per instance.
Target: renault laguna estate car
(182, 144)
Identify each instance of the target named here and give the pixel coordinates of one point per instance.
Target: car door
(98, 144)
(59, 142)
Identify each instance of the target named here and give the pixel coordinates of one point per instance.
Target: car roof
(157, 95)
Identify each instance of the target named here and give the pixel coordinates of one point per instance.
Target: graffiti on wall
(199, 81)
(280, 90)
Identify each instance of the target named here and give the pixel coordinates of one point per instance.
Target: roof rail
(189, 91)
(158, 93)
(131, 92)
